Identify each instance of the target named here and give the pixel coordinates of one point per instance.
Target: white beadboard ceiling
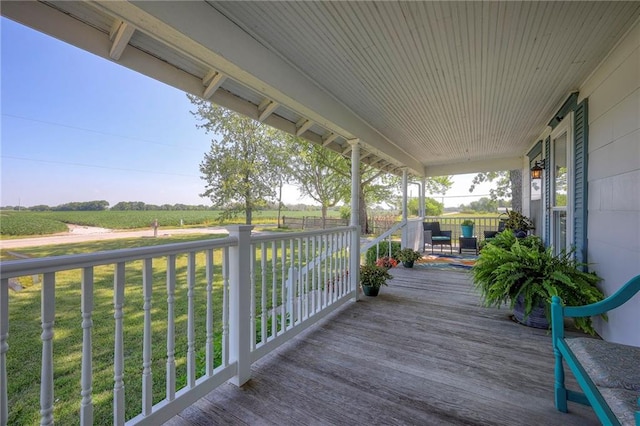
(420, 84)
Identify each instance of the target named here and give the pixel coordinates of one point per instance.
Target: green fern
(509, 267)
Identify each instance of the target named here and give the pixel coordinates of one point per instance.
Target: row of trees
(101, 205)
(484, 205)
(249, 163)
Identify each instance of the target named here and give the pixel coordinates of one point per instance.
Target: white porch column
(240, 302)
(423, 199)
(354, 260)
(423, 208)
(405, 231)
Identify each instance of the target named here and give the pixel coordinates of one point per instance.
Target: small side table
(468, 244)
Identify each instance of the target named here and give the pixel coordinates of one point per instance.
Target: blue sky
(76, 127)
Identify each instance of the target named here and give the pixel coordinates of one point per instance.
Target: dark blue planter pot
(536, 318)
(370, 291)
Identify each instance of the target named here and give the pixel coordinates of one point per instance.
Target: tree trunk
(324, 216)
(248, 216)
(515, 176)
(280, 202)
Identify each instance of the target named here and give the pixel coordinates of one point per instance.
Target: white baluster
(325, 278)
(171, 327)
(342, 262)
(307, 260)
(274, 293)
(191, 334)
(300, 295)
(332, 268)
(291, 290)
(314, 281)
(86, 380)
(283, 289)
(147, 379)
(118, 353)
(252, 309)
(210, 361)
(225, 307)
(263, 299)
(4, 348)
(46, 376)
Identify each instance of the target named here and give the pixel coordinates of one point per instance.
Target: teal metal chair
(615, 379)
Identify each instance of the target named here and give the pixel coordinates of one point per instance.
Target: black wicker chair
(434, 236)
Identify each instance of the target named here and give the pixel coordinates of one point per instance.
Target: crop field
(24, 223)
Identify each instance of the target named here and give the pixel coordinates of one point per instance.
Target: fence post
(240, 303)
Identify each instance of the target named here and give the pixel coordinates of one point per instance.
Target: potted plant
(517, 222)
(407, 256)
(387, 262)
(372, 277)
(525, 274)
(467, 228)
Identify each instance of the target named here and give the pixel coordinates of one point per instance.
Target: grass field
(24, 223)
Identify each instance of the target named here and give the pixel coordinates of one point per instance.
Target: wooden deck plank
(423, 352)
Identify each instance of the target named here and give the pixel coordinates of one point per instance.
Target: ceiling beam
(212, 81)
(121, 37)
(328, 138)
(266, 108)
(302, 126)
(492, 165)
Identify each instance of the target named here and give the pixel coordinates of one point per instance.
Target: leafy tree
(508, 186)
(432, 207)
(241, 169)
(314, 171)
(433, 185)
(483, 205)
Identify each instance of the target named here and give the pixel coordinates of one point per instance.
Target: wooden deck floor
(424, 352)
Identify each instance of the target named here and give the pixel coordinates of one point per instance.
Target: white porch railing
(222, 305)
(412, 237)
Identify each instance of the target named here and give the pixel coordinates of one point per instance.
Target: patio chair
(433, 235)
(491, 234)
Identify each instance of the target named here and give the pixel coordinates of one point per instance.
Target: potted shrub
(372, 277)
(467, 228)
(387, 262)
(407, 256)
(517, 222)
(525, 274)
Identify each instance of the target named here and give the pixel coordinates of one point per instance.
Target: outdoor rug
(446, 261)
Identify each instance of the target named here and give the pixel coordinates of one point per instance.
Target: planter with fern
(524, 274)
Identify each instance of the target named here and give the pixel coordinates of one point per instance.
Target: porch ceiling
(439, 87)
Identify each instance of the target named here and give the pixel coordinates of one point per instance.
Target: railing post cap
(239, 228)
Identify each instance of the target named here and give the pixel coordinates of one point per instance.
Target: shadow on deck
(424, 352)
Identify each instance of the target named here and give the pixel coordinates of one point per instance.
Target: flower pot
(370, 290)
(408, 264)
(467, 231)
(536, 318)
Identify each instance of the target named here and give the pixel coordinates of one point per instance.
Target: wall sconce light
(536, 170)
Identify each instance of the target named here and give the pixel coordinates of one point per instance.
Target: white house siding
(614, 181)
